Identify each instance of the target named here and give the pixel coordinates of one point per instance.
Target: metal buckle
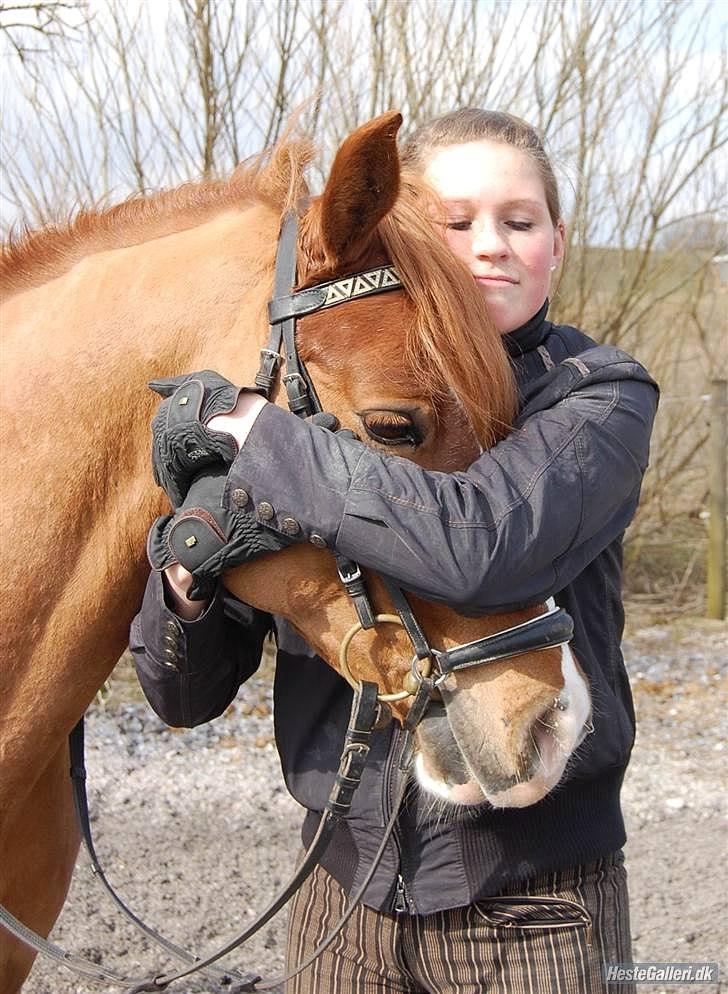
(290, 378)
(349, 577)
(437, 680)
(270, 354)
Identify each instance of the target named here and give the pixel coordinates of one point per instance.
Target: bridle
(429, 668)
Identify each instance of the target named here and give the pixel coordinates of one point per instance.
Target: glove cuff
(159, 553)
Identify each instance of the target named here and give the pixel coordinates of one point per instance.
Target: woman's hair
(471, 124)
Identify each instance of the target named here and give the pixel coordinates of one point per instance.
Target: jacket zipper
(400, 896)
(402, 902)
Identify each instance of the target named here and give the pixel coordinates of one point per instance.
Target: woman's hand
(177, 582)
(239, 421)
(184, 443)
(207, 539)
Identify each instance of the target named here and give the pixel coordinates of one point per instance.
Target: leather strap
(554, 628)
(283, 279)
(302, 399)
(403, 770)
(364, 714)
(323, 295)
(49, 949)
(76, 747)
(411, 625)
(351, 576)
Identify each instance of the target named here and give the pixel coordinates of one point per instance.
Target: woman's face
(498, 223)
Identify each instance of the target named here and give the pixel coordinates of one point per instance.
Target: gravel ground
(196, 830)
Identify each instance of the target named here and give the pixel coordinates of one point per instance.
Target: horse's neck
(79, 498)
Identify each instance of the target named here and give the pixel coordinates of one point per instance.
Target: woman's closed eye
(463, 224)
(459, 224)
(390, 428)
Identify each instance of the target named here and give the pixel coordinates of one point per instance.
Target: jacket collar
(529, 335)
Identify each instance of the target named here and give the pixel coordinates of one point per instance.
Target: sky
(29, 153)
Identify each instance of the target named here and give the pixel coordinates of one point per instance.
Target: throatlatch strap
(411, 625)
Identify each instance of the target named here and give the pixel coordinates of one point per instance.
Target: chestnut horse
(177, 282)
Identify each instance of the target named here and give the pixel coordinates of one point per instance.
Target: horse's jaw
(465, 762)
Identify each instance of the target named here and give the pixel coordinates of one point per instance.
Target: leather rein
(429, 668)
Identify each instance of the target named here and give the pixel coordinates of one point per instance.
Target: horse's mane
(274, 177)
(451, 346)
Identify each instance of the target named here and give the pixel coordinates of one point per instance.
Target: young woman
(531, 899)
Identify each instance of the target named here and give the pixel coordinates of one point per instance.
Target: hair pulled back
(472, 124)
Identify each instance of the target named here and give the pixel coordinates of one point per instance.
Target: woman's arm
(515, 527)
(190, 669)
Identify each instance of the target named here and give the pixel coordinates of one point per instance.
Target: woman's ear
(559, 241)
(362, 187)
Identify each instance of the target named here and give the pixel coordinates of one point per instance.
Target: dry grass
(666, 570)
(676, 326)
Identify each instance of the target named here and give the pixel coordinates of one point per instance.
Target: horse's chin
(472, 793)
(465, 757)
(467, 793)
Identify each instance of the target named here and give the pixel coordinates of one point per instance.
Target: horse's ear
(362, 187)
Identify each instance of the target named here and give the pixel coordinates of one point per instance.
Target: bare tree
(123, 97)
(29, 28)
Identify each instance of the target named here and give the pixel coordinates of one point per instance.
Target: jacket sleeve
(514, 528)
(191, 670)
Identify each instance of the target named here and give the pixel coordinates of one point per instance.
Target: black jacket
(539, 515)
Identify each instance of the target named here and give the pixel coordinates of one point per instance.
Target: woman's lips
(494, 280)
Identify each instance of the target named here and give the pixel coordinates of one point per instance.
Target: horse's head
(419, 373)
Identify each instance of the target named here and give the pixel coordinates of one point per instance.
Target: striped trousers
(548, 935)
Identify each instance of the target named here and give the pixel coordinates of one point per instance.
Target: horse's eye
(391, 428)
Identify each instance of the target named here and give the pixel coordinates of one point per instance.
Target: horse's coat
(172, 284)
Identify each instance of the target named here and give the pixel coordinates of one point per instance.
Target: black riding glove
(208, 539)
(182, 444)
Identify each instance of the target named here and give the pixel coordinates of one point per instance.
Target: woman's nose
(488, 241)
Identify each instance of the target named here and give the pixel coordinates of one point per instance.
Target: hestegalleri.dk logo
(660, 973)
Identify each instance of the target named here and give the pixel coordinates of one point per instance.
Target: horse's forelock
(453, 345)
